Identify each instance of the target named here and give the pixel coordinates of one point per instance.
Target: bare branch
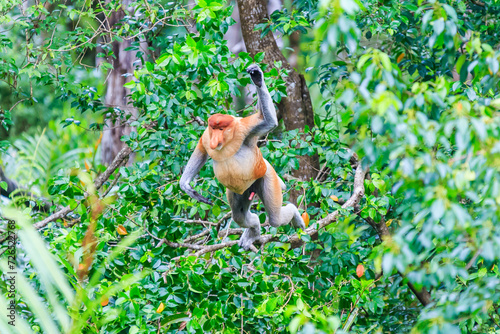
(213, 248)
(204, 249)
(181, 244)
(118, 160)
(474, 258)
(230, 231)
(198, 221)
(101, 179)
(197, 236)
(58, 215)
(295, 240)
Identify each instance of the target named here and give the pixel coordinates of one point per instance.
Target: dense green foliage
(412, 87)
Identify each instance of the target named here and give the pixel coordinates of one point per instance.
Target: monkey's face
(221, 130)
(256, 75)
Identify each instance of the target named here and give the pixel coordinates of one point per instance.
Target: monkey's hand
(256, 74)
(193, 194)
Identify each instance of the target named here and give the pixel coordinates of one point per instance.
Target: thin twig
(473, 260)
(295, 240)
(120, 157)
(196, 221)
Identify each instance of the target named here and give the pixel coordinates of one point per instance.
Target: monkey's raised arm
(193, 167)
(267, 112)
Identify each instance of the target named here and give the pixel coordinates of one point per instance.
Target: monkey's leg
(269, 190)
(240, 208)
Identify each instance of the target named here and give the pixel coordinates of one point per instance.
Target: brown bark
(294, 40)
(296, 109)
(233, 36)
(116, 94)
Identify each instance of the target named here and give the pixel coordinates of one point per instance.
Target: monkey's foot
(298, 222)
(249, 237)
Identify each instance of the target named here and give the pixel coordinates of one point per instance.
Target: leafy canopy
(412, 87)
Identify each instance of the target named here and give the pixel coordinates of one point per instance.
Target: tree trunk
(116, 95)
(293, 58)
(236, 45)
(233, 35)
(296, 109)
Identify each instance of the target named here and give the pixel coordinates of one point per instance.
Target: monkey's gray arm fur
(193, 167)
(265, 103)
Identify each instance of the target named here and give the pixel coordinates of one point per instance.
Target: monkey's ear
(256, 74)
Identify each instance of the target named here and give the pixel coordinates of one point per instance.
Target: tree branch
(294, 240)
(117, 161)
(99, 182)
(58, 215)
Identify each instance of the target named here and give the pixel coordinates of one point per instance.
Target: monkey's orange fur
(238, 164)
(236, 168)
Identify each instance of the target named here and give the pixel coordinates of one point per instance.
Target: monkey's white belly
(238, 172)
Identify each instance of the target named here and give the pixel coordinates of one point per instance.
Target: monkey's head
(221, 130)
(256, 74)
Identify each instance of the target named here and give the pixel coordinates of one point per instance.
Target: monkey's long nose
(216, 139)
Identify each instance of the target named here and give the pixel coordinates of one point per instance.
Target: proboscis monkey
(238, 164)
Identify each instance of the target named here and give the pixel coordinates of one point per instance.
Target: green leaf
(437, 209)
(130, 84)
(460, 62)
(300, 304)
(259, 57)
(190, 41)
(438, 26)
